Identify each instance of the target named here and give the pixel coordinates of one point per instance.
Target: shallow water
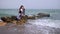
(28, 29)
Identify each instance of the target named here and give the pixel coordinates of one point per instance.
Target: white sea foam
(46, 22)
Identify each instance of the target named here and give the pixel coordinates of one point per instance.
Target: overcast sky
(30, 4)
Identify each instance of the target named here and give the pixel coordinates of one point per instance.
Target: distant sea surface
(53, 20)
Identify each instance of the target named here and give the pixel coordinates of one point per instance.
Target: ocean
(52, 21)
(46, 25)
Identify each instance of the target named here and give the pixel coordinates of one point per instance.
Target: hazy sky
(30, 4)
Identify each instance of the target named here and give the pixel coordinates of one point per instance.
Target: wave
(46, 22)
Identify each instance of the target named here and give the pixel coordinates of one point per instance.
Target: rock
(31, 17)
(39, 15)
(14, 20)
(2, 23)
(43, 15)
(23, 20)
(6, 19)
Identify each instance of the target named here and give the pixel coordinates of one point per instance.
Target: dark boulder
(43, 15)
(6, 19)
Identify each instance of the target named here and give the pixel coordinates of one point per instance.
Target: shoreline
(29, 29)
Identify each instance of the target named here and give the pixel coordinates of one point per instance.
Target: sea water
(52, 21)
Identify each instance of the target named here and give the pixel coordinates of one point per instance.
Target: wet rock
(2, 23)
(39, 15)
(31, 17)
(6, 19)
(24, 19)
(14, 20)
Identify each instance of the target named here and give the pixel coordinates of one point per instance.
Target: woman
(21, 12)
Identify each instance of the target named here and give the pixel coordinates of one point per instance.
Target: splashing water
(46, 22)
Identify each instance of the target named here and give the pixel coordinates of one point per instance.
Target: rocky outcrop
(39, 15)
(43, 15)
(14, 20)
(24, 19)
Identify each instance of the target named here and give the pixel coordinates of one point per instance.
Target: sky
(30, 4)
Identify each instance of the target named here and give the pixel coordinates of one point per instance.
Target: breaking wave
(46, 22)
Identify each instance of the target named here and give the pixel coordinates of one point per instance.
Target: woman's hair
(21, 6)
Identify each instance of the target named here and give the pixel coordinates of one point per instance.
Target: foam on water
(46, 22)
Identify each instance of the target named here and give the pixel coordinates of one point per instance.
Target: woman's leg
(19, 17)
